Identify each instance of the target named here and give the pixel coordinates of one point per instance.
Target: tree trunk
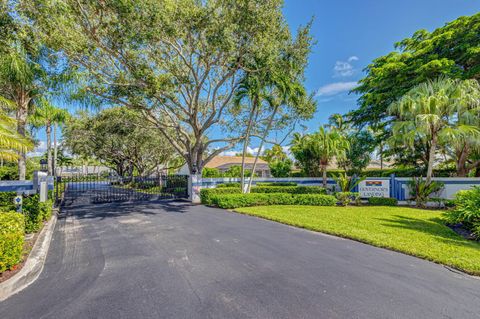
(245, 145)
(431, 159)
(381, 155)
(21, 117)
(324, 175)
(264, 137)
(55, 149)
(49, 148)
(461, 162)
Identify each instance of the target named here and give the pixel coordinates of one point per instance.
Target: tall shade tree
(26, 70)
(178, 61)
(429, 114)
(46, 115)
(322, 147)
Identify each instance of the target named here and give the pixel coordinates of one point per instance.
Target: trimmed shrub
(345, 198)
(314, 200)
(289, 189)
(224, 185)
(383, 201)
(35, 212)
(12, 228)
(276, 184)
(207, 193)
(467, 210)
(6, 200)
(230, 201)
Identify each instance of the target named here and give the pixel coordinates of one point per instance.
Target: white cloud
(39, 150)
(335, 88)
(345, 68)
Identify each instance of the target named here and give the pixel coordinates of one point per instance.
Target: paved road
(177, 261)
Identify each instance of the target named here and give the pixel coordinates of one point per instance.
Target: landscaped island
(416, 232)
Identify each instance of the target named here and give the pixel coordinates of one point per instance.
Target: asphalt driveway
(173, 260)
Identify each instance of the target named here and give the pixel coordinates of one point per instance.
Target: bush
(207, 193)
(467, 210)
(276, 184)
(421, 191)
(6, 201)
(383, 201)
(345, 198)
(289, 189)
(230, 201)
(35, 212)
(314, 200)
(12, 228)
(224, 185)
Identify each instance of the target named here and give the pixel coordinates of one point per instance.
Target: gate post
(194, 186)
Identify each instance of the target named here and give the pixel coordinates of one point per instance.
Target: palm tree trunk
(49, 148)
(431, 159)
(324, 175)
(245, 144)
(55, 148)
(22, 113)
(264, 137)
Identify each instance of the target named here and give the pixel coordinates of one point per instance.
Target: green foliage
(280, 168)
(235, 171)
(289, 189)
(417, 232)
(358, 155)
(346, 198)
(420, 190)
(159, 56)
(314, 152)
(6, 201)
(346, 183)
(207, 193)
(254, 199)
(436, 113)
(226, 185)
(35, 212)
(382, 201)
(466, 210)
(276, 184)
(211, 173)
(12, 230)
(120, 138)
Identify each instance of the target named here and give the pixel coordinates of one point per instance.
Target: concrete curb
(34, 264)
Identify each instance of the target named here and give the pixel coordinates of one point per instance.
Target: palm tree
(429, 114)
(47, 115)
(327, 145)
(11, 143)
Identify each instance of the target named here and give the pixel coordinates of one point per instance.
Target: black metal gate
(108, 188)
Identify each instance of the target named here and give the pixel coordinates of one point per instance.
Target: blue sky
(350, 34)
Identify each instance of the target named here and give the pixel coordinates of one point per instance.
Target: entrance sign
(374, 188)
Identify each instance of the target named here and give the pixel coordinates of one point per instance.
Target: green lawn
(412, 231)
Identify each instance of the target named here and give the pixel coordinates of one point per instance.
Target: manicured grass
(416, 232)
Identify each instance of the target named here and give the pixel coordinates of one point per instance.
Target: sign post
(18, 201)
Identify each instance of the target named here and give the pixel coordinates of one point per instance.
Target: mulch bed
(462, 231)
(27, 247)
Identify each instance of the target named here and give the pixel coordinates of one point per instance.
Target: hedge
(12, 231)
(466, 210)
(229, 201)
(233, 184)
(289, 189)
(383, 201)
(207, 193)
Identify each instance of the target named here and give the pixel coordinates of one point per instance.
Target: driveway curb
(34, 264)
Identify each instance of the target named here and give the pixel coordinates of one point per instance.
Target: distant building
(223, 163)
